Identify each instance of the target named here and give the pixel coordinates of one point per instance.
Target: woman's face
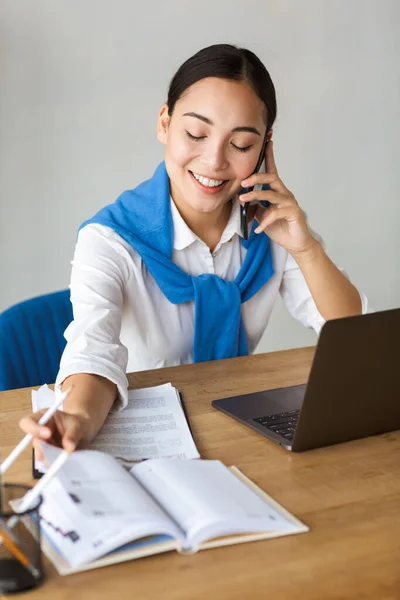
(213, 141)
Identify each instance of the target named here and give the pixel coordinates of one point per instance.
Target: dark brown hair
(226, 62)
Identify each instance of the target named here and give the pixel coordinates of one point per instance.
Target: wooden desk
(348, 494)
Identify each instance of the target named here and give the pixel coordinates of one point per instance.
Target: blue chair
(32, 340)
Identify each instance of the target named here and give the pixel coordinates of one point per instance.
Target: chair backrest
(32, 340)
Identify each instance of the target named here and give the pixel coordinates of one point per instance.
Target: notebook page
(99, 486)
(104, 505)
(203, 496)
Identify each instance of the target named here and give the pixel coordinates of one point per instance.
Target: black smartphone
(35, 473)
(245, 208)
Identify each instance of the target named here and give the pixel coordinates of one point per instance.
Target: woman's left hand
(283, 221)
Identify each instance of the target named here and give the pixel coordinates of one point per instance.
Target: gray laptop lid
(354, 386)
(353, 389)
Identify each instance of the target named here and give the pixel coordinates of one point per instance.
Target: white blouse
(124, 323)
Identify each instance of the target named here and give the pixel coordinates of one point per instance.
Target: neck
(208, 226)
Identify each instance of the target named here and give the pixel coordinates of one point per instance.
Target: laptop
(353, 390)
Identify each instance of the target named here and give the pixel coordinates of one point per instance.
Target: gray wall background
(81, 85)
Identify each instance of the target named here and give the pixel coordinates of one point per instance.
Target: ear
(162, 124)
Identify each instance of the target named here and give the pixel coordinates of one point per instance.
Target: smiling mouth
(209, 185)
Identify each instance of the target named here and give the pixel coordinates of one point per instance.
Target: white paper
(153, 425)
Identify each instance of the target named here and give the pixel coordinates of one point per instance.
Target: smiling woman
(164, 276)
(210, 150)
(221, 105)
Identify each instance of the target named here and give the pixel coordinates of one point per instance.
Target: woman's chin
(204, 203)
(206, 207)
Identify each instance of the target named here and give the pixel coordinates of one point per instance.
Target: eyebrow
(209, 122)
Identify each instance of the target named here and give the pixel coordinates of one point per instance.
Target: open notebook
(96, 513)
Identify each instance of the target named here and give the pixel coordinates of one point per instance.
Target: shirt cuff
(365, 308)
(319, 321)
(118, 378)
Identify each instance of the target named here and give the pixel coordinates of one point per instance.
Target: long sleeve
(93, 337)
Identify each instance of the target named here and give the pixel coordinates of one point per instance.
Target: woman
(164, 277)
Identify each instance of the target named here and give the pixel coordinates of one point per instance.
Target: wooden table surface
(348, 494)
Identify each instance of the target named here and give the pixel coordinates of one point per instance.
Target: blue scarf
(142, 217)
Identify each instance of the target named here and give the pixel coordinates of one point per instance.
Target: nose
(214, 157)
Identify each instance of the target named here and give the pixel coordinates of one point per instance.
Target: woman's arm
(98, 279)
(91, 398)
(334, 295)
(285, 223)
(85, 410)
(94, 360)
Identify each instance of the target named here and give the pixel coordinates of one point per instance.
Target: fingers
(72, 435)
(30, 425)
(70, 430)
(266, 217)
(38, 451)
(63, 430)
(272, 179)
(274, 198)
(261, 195)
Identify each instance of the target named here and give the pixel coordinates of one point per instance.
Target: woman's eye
(197, 138)
(241, 149)
(194, 137)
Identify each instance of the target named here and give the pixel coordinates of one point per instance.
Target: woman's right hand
(63, 429)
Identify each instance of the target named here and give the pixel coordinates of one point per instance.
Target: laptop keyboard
(283, 424)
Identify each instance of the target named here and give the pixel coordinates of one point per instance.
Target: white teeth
(208, 182)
